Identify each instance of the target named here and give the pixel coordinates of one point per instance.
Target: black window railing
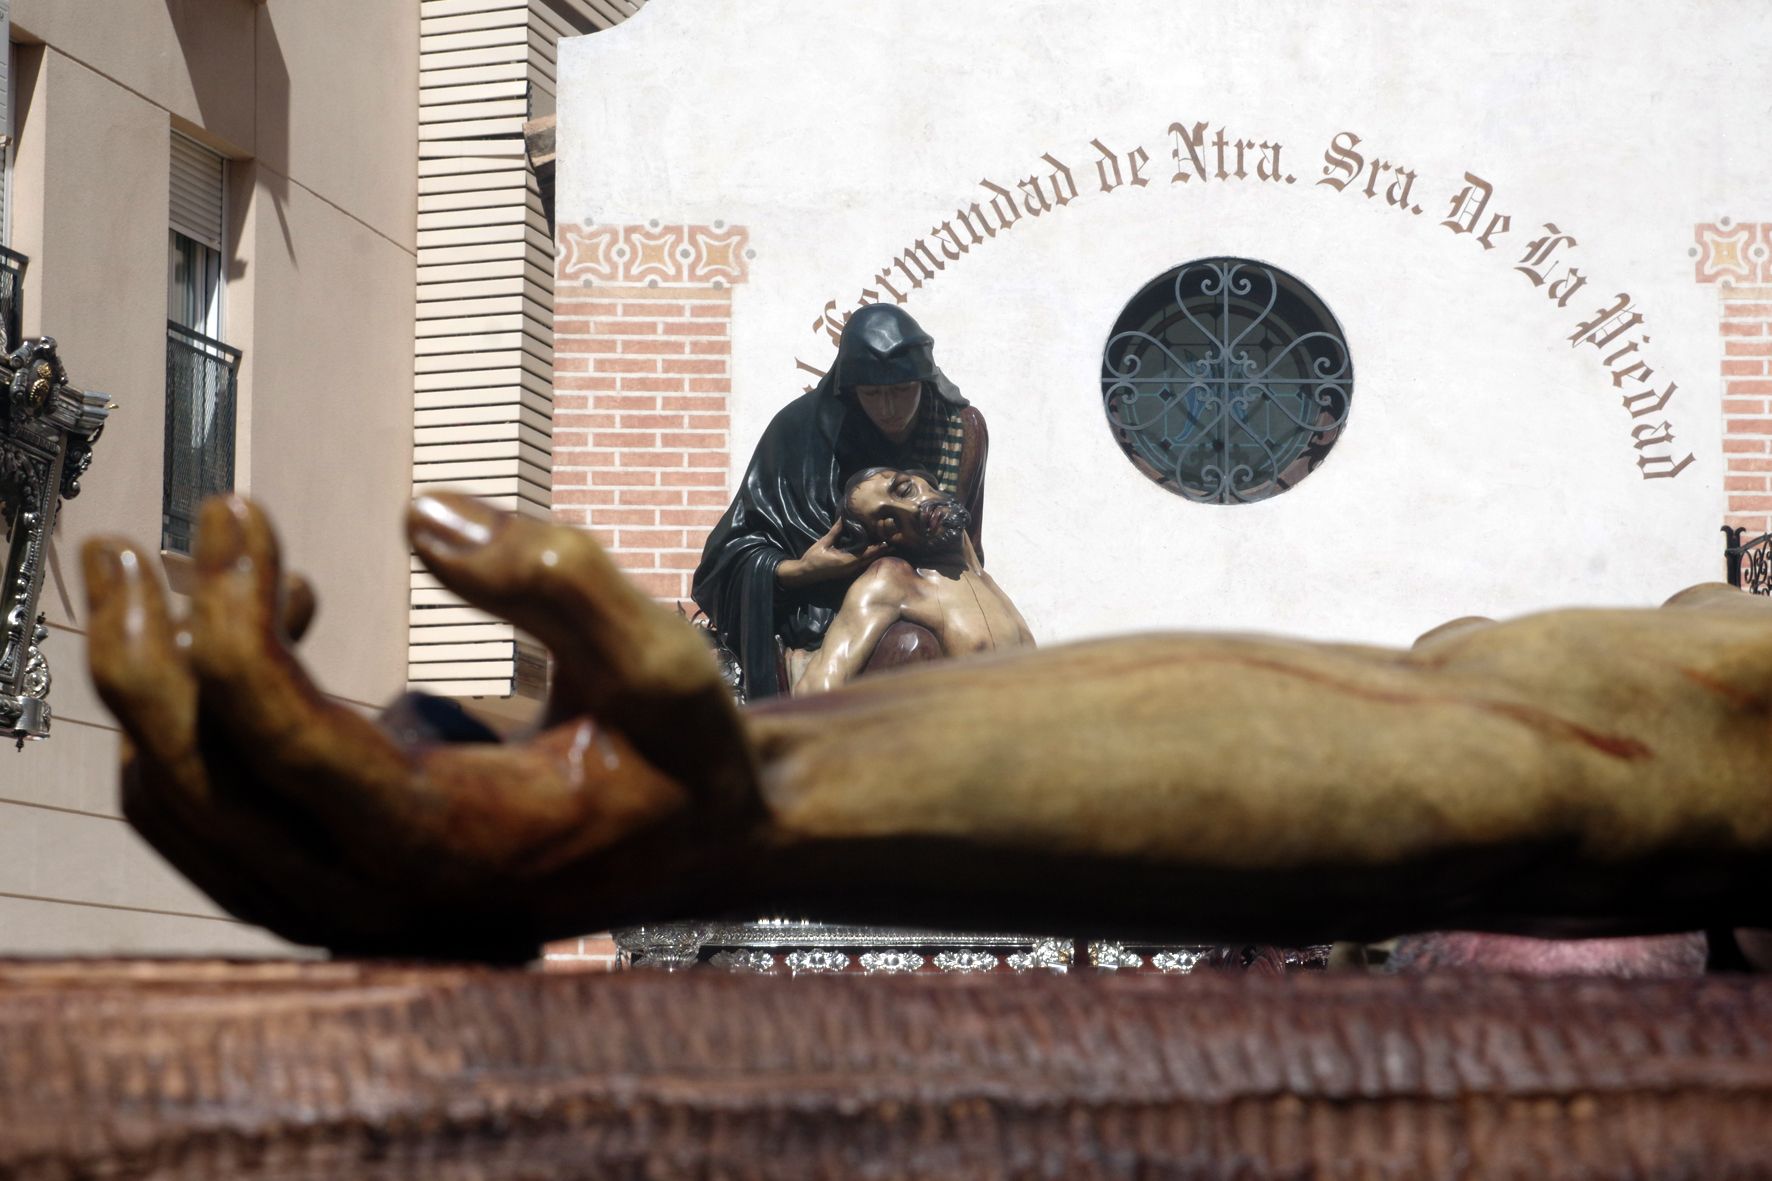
(201, 379)
(1747, 564)
(12, 295)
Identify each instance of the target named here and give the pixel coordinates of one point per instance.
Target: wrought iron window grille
(1748, 564)
(201, 384)
(1226, 381)
(12, 297)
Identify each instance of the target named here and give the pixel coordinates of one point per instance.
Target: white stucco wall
(1488, 466)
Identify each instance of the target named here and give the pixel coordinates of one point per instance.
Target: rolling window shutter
(196, 192)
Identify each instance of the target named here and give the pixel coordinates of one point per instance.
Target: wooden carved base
(329, 1071)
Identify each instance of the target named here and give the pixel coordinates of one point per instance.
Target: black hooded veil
(791, 494)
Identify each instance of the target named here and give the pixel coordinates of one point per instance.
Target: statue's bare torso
(953, 597)
(963, 606)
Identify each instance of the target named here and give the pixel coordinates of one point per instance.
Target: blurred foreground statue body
(1574, 772)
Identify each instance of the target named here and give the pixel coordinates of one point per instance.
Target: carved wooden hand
(294, 812)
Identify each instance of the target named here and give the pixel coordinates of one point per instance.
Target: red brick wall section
(642, 388)
(1738, 259)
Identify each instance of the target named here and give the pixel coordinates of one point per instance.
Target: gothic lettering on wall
(1202, 154)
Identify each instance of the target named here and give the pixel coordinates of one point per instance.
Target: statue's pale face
(904, 510)
(892, 408)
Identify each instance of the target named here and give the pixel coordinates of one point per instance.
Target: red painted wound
(1614, 745)
(1739, 696)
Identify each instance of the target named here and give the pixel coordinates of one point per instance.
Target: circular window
(1226, 381)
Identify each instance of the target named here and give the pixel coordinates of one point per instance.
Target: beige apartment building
(298, 244)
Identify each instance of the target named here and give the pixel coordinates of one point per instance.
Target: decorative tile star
(654, 254)
(587, 252)
(1723, 253)
(719, 254)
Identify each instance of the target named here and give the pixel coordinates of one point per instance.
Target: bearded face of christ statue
(905, 510)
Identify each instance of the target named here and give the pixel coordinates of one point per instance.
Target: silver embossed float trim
(750, 959)
(817, 959)
(965, 961)
(1111, 957)
(1052, 955)
(890, 960)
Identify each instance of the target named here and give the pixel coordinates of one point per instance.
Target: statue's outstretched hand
(294, 812)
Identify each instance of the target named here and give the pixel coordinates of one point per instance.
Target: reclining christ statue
(930, 577)
(1570, 772)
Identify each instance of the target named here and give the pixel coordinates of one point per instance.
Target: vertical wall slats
(483, 321)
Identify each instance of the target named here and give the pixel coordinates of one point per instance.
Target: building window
(201, 369)
(1226, 381)
(193, 289)
(12, 297)
(8, 100)
(12, 263)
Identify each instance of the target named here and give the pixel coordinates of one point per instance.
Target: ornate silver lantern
(47, 429)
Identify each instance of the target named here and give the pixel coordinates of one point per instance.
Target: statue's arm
(1588, 772)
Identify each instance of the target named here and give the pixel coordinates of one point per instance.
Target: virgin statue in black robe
(788, 502)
